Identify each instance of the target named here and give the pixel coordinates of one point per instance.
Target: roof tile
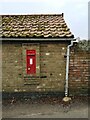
(34, 25)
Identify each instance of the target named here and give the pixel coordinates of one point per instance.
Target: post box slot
(31, 61)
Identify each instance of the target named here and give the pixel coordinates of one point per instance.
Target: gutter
(35, 39)
(67, 64)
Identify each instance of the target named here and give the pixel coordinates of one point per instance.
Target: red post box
(31, 61)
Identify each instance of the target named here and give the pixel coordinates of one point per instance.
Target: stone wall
(53, 66)
(50, 67)
(11, 66)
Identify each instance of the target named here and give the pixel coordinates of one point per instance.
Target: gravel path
(45, 109)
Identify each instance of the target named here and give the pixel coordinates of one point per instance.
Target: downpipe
(67, 64)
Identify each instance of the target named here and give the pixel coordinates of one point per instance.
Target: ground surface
(45, 108)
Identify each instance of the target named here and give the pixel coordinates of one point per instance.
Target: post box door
(31, 61)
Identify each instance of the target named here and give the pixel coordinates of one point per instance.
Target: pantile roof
(35, 26)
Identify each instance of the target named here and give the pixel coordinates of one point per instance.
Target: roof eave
(36, 39)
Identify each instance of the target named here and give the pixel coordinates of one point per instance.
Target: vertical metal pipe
(67, 66)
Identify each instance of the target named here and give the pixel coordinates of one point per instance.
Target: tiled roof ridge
(44, 14)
